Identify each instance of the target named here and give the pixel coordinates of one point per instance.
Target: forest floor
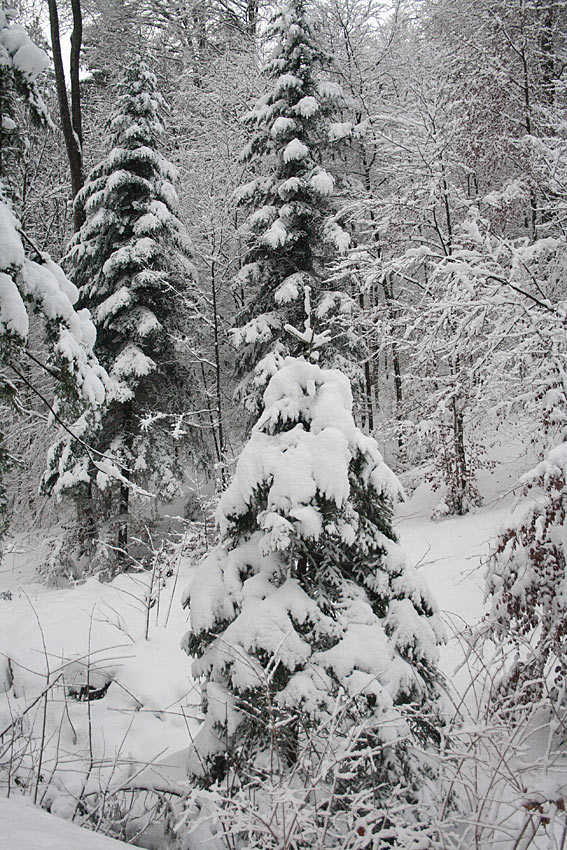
(57, 642)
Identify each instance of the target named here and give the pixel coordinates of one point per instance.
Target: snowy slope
(451, 553)
(53, 643)
(24, 827)
(139, 732)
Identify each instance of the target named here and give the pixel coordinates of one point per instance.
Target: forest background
(438, 162)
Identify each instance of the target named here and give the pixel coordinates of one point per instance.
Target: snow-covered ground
(57, 642)
(451, 553)
(25, 827)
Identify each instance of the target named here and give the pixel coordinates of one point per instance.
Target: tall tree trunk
(127, 436)
(532, 214)
(218, 385)
(396, 365)
(86, 521)
(387, 287)
(547, 21)
(3, 88)
(123, 508)
(251, 17)
(368, 412)
(76, 42)
(71, 123)
(460, 506)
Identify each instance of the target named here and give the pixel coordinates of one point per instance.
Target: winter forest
(283, 424)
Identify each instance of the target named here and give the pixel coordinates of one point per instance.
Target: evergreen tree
(130, 260)
(292, 230)
(21, 63)
(28, 276)
(307, 611)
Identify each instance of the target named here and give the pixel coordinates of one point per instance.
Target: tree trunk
(546, 11)
(86, 522)
(127, 438)
(368, 412)
(460, 471)
(76, 42)
(3, 73)
(532, 214)
(218, 377)
(70, 117)
(396, 365)
(251, 17)
(123, 507)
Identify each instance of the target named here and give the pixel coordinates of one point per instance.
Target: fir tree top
(132, 247)
(21, 63)
(292, 228)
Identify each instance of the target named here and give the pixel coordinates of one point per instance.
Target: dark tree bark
(218, 382)
(461, 473)
(76, 42)
(71, 123)
(252, 17)
(388, 286)
(3, 73)
(368, 412)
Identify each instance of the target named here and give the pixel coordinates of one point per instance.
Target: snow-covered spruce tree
(291, 230)
(28, 276)
(21, 62)
(308, 629)
(130, 260)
